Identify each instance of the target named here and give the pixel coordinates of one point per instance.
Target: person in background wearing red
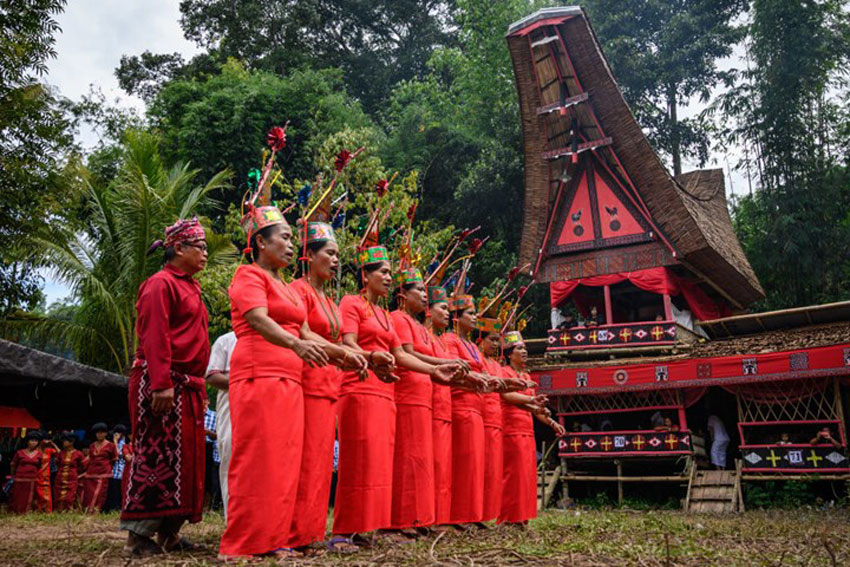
(44, 491)
(26, 465)
(102, 455)
(165, 485)
(519, 486)
(71, 465)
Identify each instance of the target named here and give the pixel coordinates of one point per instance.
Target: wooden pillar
(609, 317)
(668, 310)
(683, 419)
(541, 480)
(619, 464)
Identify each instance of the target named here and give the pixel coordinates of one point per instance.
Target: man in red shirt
(165, 484)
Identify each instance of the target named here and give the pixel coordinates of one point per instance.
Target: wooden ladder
(717, 492)
(546, 487)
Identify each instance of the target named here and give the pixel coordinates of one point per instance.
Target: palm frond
(199, 196)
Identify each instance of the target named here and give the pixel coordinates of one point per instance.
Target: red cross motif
(625, 335)
(575, 444)
(672, 441)
(638, 442)
(657, 333)
(606, 443)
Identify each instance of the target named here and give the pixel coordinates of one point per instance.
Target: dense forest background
(427, 86)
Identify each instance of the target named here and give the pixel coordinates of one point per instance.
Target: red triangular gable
(596, 212)
(615, 218)
(578, 224)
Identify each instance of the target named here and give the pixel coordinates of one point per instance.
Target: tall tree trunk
(675, 142)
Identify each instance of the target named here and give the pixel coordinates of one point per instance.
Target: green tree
(105, 263)
(33, 136)
(664, 54)
(459, 126)
(787, 114)
(376, 43)
(222, 122)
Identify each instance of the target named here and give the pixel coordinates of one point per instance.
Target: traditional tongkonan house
(653, 359)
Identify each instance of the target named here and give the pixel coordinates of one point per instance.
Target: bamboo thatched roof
(19, 363)
(571, 106)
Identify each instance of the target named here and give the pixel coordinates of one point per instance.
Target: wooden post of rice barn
(619, 464)
(565, 497)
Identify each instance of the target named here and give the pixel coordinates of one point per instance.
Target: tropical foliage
(104, 259)
(33, 135)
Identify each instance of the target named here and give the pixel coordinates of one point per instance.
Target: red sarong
(519, 489)
(166, 475)
(365, 468)
(94, 492)
(43, 490)
(314, 483)
(442, 470)
(67, 480)
(467, 466)
(413, 467)
(267, 434)
(493, 471)
(22, 498)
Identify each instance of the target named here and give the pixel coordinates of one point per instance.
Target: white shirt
(718, 430)
(220, 354)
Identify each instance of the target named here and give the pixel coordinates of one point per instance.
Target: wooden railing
(613, 336)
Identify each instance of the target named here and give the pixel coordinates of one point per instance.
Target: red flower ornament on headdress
(475, 245)
(513, 273)
(342, 160)
(521, 293)
(381, 187)
(277, 138)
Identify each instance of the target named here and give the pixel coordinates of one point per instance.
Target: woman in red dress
(266, 398)
(24, 470)
(321, 386)
(43, 491)
(468, 438)
(70, 466)
(519, 485)
(441, 402)
(367, 410)
(102, 455)
(413, 464)
(492, 417)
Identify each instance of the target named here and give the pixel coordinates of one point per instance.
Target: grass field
(572, 538)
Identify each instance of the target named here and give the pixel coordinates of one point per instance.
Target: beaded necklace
(333, 322)
(473, 352)
(422, 330)
(286, 291)
(386, 324)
